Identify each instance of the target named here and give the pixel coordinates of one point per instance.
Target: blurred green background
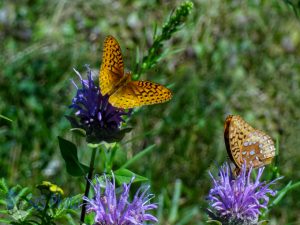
(236, 57)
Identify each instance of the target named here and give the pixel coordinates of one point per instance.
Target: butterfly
(122, 91)
(246, 144)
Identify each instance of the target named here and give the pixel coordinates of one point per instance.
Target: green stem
(44, 214)
(88, 184)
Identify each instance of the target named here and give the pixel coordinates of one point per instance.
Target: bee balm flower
(94, 114)
(238, 200)
(116, 209)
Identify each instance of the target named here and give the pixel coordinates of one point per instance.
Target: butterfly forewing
(112, 67)
(138, 93)
(234, 134)
(246, 144)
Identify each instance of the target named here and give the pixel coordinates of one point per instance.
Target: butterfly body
(246, 144)
(123, 92)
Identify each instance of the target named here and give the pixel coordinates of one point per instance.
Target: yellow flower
(48, 186)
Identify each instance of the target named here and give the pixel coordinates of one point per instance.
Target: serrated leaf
(124, 176)
(69, 153)
(18, 214)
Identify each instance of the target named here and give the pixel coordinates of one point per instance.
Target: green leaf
(3, 186)
(263, 222)
(125, 176)
(188, 216)
(69, 153)
(68, 205)
(295, 6)
(214, 222)
(175, 201)
(79, 131)
(5, 118)
(5, 221)
(17, 214)
(138, 156)
(90, 145)
(281, 194)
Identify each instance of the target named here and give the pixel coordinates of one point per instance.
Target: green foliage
(139, 156)
(20, 207)
(69, 153)
(172, 205)
(14, 204)
(295, 4)
(155, 52)
(125, 176)
(215, 222)
(283, 192)
(5, 118)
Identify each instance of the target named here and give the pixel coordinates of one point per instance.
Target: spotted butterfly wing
(124, 93)
(138, 93)
(246, 144)
(112, 67)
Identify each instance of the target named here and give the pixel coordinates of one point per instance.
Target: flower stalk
(88, 184)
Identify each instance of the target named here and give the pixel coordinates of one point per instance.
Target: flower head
(113, 209)
(238, 200)
(94, 114)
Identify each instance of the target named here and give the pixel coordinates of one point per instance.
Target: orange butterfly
(123, 92)
(246, 144)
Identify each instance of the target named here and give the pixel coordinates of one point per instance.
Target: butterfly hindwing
(137, 93)
(112, 67)
(258, 149)
(246, 144)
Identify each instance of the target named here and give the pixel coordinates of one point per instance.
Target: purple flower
(113, 209)
(238, 200)
(94, 114)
